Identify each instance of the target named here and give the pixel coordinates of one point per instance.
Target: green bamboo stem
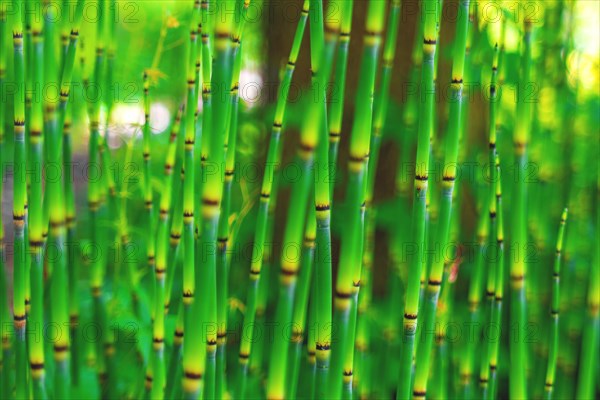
(588, 362)
(336, 112)
(348, 279)
(496, 313)
(268, 191)
(28, 54)
(475, 292)
(496, 269)
(36, 140)
(484, 375)
(212, 194)
(6, 339)
(402, 188)
(256, 362)
(301, 302)
(518, 351)
(191, 188)
(311, 345)
(194, 351)
(309, 137)
(175, 165)
(442, 232)
(19, 269)
(173, 387)
(381, 104)
(147, 176)
(163, 268)
(415, 258)
(96, 199)
(71, 240)
(6, 360)
(380, 108)
(322, 286)
(204, 76)
(363, 364)
(554, 311)
(57, 215)
(223, 228)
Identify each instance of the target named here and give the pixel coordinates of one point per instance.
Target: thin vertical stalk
(380, 108)
(71, 240)
(336, 112)
(96, 198)
(309, 137)
(268, 192)
(307, 259)
(194, 351)
(173, 378)
(488, 376)
(55, 193)
(19, 184)
(496, 312)
(349, 272)
(162, 269)
(442, 232)
(554, 310)
(588, 362)
(484, 371)
(323, 188)
(382, 99)
(5, 335)
(36, 243)
(212, 193)
(518, 351)
(223, 228)
(430, 9)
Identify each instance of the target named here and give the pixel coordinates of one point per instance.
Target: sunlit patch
(251, 87)
(126, 122)
(160, 118)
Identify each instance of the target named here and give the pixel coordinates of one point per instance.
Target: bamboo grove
(411, 211)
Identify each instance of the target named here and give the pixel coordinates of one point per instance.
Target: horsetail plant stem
(174, 164)
(484, 372)
(194, 351)
(223, 228)
(267, 192)
(212, 193)
(321, 56)
(55, 193)
(349, 275)
(348, 279)
(450, 169)
(415, 261)
(96, 199)
(19, 194)
(589, 349)
(305, 278)
(5, 335)
(518, 356)
(162, 268)
(36, 243)
(380, 106)
(496, 313)
(496, 280)
(336, 112)
(322, 283)
(554, 310)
